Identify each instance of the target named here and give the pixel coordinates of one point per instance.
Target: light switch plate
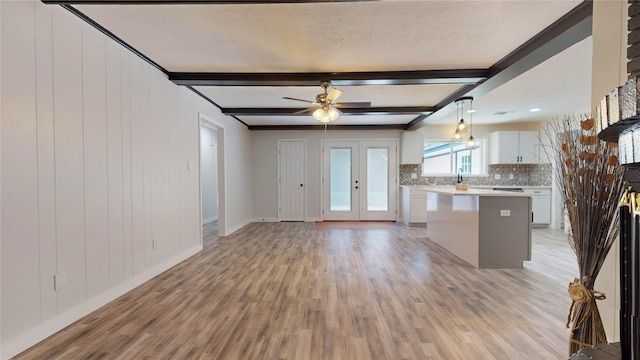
(497, 176)
(510, 176)
(59, 280)
(414, 175)
(505, 212)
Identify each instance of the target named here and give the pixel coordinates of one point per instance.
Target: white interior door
(379, 187)
(341, 186)
(291, 168)
(359, 180)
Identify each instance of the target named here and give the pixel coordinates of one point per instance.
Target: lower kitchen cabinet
(540, 205)
(414, 206)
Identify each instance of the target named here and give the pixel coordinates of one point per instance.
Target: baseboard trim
(313, 219)
(22, 342)
(232, 229)
(266, 220)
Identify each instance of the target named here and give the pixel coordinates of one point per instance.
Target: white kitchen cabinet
(514, 147)
(414, 206)
(540, 205)
(412, 147)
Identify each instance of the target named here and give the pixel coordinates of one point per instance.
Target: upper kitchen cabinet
(515, 147)
(412, 147)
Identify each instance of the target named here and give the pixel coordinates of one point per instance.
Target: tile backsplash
(523, 175)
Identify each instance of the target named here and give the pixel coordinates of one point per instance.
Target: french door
(359, 180)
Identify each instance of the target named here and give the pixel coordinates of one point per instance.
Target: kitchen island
(488, 229)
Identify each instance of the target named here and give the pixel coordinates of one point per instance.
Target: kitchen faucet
(460, 176)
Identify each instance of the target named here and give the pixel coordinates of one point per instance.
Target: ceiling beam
(416, 77)
(402, 110)
(451, 98)
(570, 29)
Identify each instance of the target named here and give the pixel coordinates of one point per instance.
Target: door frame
(304, 177)
(359, 140)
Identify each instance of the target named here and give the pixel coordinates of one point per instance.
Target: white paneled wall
(99, 158)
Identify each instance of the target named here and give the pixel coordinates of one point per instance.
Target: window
(444, 158)
(465, 163)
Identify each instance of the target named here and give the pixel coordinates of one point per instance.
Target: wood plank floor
(290, 291)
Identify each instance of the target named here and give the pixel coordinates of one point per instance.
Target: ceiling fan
(326, 107)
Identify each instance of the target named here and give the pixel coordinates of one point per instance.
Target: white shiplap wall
(94, 148)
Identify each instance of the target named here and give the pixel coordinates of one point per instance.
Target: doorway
(209, 178)
(212, 184)
(359, 180)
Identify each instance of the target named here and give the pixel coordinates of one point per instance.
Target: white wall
(209, 173)
(95, 144)
(237, 177)
(264, 158)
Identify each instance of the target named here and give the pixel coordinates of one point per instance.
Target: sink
(508, 189)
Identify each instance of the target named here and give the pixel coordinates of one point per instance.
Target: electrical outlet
(155, 244)
(505, 212)
(59, 281)
(188, 166)
(414, 176)
(510, 176)
(497, 176)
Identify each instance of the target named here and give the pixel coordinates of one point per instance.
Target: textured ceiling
(360, 36)
(332, 38)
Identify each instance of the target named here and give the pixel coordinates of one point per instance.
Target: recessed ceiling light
(503, 112)
(534, 109)
(471, 111)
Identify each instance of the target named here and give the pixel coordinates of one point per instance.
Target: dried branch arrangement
(591, 183)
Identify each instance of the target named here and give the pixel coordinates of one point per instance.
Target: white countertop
(451, 190)
(510, 186)
(421, 187)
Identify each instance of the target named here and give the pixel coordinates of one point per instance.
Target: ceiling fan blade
(364, 104)
(290, 98)
(304, 110)
(333, 94)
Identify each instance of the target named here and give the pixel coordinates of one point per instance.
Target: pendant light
(461, 126)
(471, 144)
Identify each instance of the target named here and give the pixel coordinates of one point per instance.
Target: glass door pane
(377, 179)
(340, 181)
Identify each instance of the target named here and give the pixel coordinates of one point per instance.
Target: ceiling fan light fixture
(321, 115)
(325, 108)
(333, 113)
(326, 114)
